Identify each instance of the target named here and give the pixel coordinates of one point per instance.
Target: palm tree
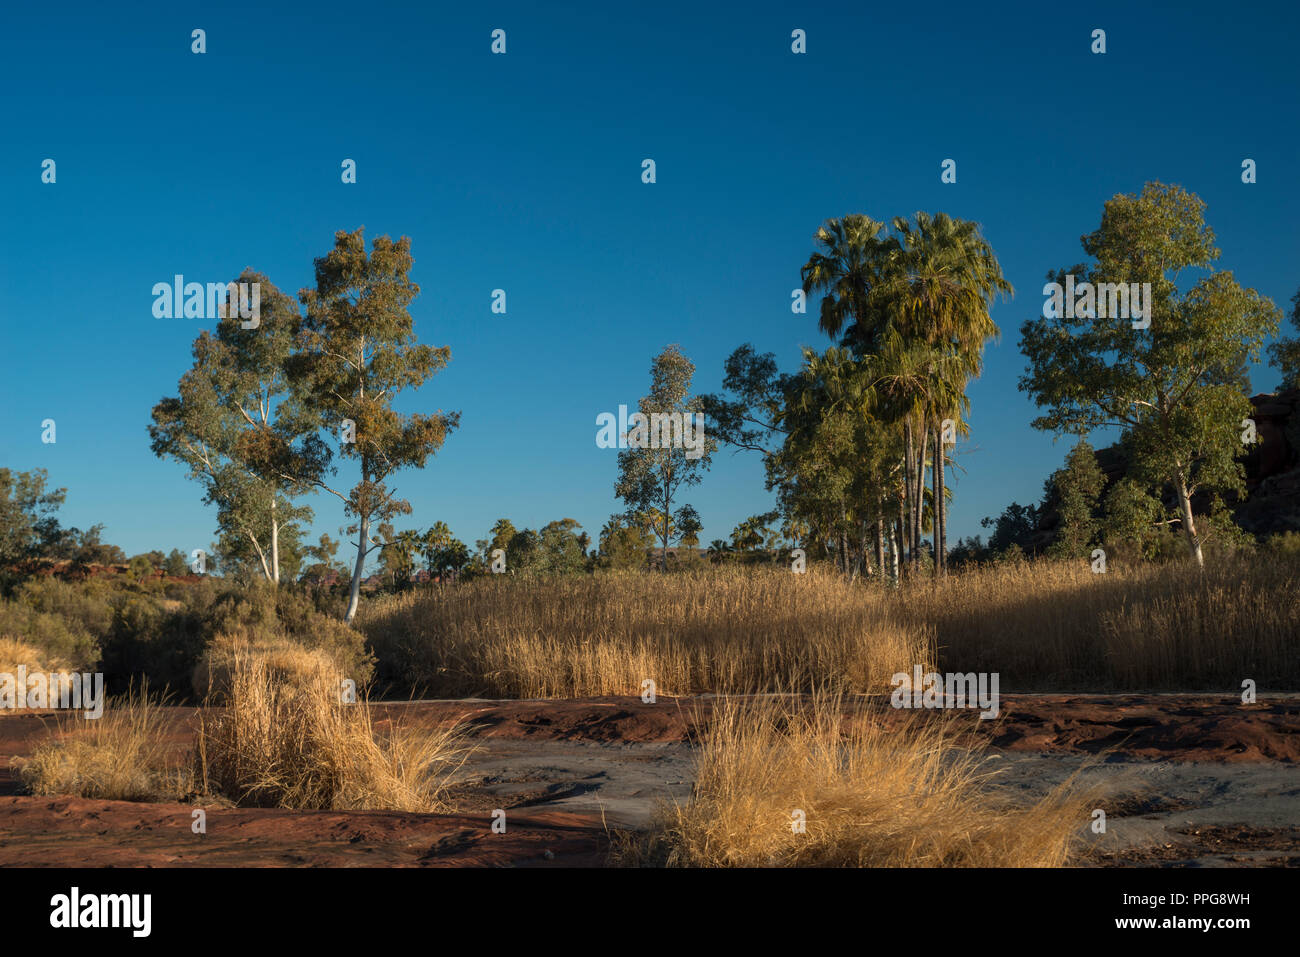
(937, 294)
(854, 258)
(915, 305)
(913, 384)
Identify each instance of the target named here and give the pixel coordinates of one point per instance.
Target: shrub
(50, 637)
(286, 739)
(120, 756)
(869, 797)
(277, 617)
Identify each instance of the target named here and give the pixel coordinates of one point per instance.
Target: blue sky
(522, 172)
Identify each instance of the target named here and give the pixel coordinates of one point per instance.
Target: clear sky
(523, 172)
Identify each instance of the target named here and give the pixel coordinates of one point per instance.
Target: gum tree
(28, 521)
(238, 425)
(651, 478)
(1178, 388)
(356, 353)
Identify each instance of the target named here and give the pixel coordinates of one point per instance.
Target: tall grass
(1059, 626)
(120, 756)
(287, 737)
(1041, 625)
(15, 652)
(783, 782)
(721, 630)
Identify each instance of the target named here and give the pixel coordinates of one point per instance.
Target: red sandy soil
(82, 832)
(77, 832)
(1164, 727)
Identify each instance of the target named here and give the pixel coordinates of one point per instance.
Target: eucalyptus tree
(29, 524)
(1176, 388)
(356, 352)
(839, 466)
(668, 448)
(243, 430)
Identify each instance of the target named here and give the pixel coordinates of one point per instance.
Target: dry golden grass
(1041, 626)
(15, 652)
(1058, 626)
(121, 756)
(723, 630)
(286, 738)
(283, 656)
(870, 798)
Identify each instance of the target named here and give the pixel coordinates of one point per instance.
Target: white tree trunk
(275, 543)
(894, 547)
(354, 594)
(1189, 521)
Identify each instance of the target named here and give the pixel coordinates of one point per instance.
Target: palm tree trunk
(941, 498)
(900, 525)
(918, 514)
(908, 504)
(895, 533)
(937, 503)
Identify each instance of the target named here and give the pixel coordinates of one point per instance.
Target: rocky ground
(1194, 780)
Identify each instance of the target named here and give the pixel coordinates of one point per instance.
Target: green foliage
(1013, 531)
(1077, 487)
(27, 514)
(397, 556)
(1285, 353)
(1222, 536)
(357, 352)
(88, 606)
(1177, 389)
(262, 614)
(560, 547)
(57, 638)
(651, 479)
(1132, 520)
(967, 552)
(624, 543)
(140, 567)
(159, 630)
(755, 533)
(175, 564)
(442, 551)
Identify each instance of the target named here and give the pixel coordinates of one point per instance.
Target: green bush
(160, 630)
(87, 606)
(270, 615)
(55, 637)
(1283, 543)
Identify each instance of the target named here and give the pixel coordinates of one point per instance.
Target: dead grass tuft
(120, 756)
(287, 738)
(871, 798)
